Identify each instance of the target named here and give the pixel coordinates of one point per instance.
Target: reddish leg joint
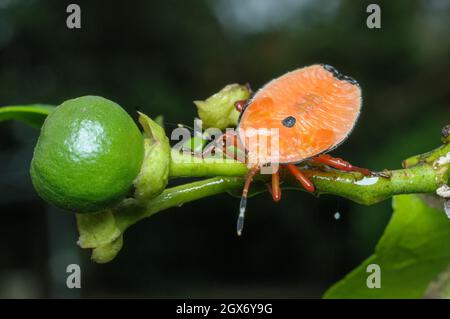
(221, 144)
(307, 184)
(240, 105)
(339, 163)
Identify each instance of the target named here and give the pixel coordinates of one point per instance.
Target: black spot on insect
(339, 75)
(289, 121)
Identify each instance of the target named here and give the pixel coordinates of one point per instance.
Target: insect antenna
(179, 125)
(243, 204)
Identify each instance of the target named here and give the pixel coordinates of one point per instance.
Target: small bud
(219, 110)
(97, 229)
(102, 232)
(106, 253)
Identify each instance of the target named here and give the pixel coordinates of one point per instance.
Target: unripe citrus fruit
(87, 156)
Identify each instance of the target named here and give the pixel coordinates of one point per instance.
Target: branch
(103, 231)
(362, 190)
(421, 178)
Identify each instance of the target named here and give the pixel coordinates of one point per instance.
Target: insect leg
(243, 204)
(240, 105)
(307, 184)
(212, 146)
(339, 163)
(275, 190)
(231, 140)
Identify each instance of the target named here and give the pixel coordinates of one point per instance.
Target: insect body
(302, 115)
(313, 108)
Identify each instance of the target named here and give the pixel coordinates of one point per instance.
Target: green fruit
(87, 156)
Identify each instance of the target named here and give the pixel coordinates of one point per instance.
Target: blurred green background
(157, 57)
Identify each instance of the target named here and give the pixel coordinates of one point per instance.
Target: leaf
(413, 252)
(33, 115)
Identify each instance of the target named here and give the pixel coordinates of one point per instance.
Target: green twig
(422, 178)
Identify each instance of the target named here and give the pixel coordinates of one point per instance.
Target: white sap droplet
(444, 159)
(447, 207)
(443, 191)
(337, 215)
(367, 181)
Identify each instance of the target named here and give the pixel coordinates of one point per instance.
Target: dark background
(159, 56)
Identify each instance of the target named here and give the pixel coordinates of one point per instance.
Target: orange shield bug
(302, 115)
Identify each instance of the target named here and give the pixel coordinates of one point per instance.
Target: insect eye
(289, 121)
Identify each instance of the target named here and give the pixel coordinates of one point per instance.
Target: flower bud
(219, 110)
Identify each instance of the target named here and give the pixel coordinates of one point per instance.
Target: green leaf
(33, 115)
(413, 251)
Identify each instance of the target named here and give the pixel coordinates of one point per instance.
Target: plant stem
(134, 211)
(423, 178)
(103, 231)
(371, 190)
(185, 165)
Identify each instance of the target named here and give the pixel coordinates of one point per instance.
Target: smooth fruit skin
(87, 156)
